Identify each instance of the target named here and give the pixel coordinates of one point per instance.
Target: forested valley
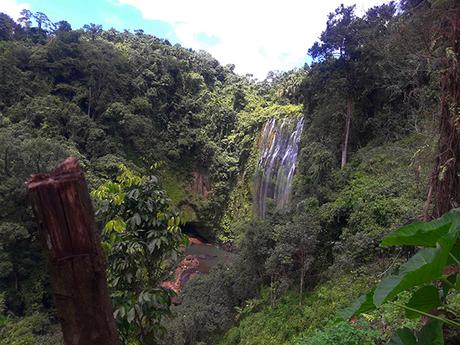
(331, 190)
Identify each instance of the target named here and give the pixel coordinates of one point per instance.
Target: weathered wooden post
(63, 209)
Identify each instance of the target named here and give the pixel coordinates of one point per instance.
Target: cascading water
(279, 146)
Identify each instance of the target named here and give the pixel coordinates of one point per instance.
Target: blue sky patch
(108, 13)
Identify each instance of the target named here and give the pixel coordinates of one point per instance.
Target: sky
(257, 36)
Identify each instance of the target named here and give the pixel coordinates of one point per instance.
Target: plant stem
(445, 280)
(455, 259)
(447, 321)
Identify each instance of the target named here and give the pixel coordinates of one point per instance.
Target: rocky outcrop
(200, 184)
(188, 267)
(199, 258)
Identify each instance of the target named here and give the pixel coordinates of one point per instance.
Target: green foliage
(113, 97)
(22, 268)
(294, 251)
(403, 336)
(239, 210)
(342, 333)
(424, 234)
(430, 334)
(374, 195)
(424, 299)
(270, 251)
(427, 266)
(139, 235)
(363, 304)
(272, 325)
(207, 308)
(108, 97)
(174, 186)
(35, 329)
(286, 322)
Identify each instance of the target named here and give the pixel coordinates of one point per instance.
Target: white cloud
(12, 8)
(255, 35)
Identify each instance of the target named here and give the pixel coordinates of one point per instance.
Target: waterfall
(278, 146)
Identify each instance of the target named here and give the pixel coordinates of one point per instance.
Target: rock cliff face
(200, 184)
(189, 267)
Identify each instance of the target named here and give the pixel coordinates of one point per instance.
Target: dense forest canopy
(162, 125)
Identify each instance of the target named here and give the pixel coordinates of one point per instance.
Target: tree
(22, 272)
(239, 100)
(26, 18)
(338, 42)
(139, 236)
(346, 54)
(444, 190)
(7, 27)
(295, 247)
(93, 30)
(43, 22)
(429, 274)
(62, 26)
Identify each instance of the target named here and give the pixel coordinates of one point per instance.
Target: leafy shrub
(207, 308)
(139, 235)
(35, 329)
(379, 195)
(341, 333)
(286, 321)
(430, 276)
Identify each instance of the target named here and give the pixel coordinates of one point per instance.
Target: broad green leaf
(361, 305)
(454, 257)
(137, 218)
(151, 247)
(135, 194)
(403, 336)
(431, 334)
(122, 311)
(424, 267)
(118, 199)
(119, 225)
(424, 234)
(109, 225)
(106, 246)
(424, 299)
(131, 315)
(448, 283)
(457, 283)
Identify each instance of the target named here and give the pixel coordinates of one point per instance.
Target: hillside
(300, 176)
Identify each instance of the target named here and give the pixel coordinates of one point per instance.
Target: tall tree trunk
(347, 131)
(272, 298)
(89, 103)
(5, 160)
(444, 190)
(302, 282)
